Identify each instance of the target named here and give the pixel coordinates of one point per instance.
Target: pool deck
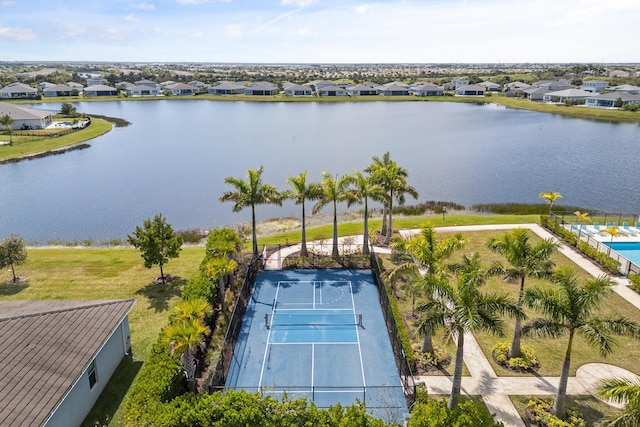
(483, 380)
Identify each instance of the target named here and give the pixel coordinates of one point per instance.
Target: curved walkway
(483, 380)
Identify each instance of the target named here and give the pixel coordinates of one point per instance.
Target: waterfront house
(552, 85)
(100, 90)
(319, 84)
(567, 95)
(595, 86)
(470, 90)
(533, 93)
(26, 118)
(633, 90)
(427, 89)
(331, 90)
(180, 89)
(57, 90)
(490, 86)
(394, 89)
(611, 100)
(198, 84)
(261, 89)
(226, 88)
(75, 85)
(361, 90)
(293, 89)
(456, 83)
(58, 357)
(18, 91)
(96, 80)
(142, 88)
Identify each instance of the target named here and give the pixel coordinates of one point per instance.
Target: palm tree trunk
(427, 342)
(457, 372)
(221, 291)
(253, 229)
(383, 229)
(365, 234)
(189, 367)
(334, 252)
(387, 238)
(559, 405)
(516, 348)
(303, 249)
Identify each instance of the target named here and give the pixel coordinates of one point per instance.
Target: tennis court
(318, 334)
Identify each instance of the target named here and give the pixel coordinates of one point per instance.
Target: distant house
(226, 88)
(490, 86)
(180, 89)
(25, 118)
(261, 89)
(331, 90)
(361, 90)
(394, 89)
(96, 80)
(551, 85)
(618, 73)
(198, 84)
(566, 95)
(142, 88)
(62, 354)
(427, 89)
(18, 91)
(633, 90)
(595, 86)
(100, 90)
(319, 84)
(456, 83)
(470, 90)
(534, 93)
(609, 100)
(57, 90)
(75, 85)
(517, 85)
(293, 89)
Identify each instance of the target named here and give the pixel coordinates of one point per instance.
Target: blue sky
(320, 31)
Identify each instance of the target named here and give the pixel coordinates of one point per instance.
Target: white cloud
(192, 1)
(297, 3)
(8, 3)
(144, 6)
(305, 32)
(17, 34)
(233, 31)
(131, 18)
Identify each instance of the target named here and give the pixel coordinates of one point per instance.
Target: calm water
(174, 157)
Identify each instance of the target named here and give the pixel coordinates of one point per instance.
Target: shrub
(520, 208)
(601, 258)
(434, 413)
(200, 287)
(404, 334)
(539, 413)
(635, 282)
(528, 361)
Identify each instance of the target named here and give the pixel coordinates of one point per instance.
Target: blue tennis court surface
(318, 334)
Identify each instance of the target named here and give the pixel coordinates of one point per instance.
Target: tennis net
(274, 320)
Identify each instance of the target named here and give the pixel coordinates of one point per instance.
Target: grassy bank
(37, 145)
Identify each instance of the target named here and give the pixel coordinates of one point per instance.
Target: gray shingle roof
(21, 113)
(46, 346)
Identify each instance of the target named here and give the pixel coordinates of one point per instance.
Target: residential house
(226, 88)
(293, 89)
(517, 85)
(100, 90)
(198, 85)
(394, 89)
(261, 89)
(609, 100)
(45, 85)
(18, 91)
(58, 90)
(331, 90)
(567, 95)
(361, 90)
(470, 90)
(26, 118)
(75, 85)
(180, 89)
(551, 85)
(427, 89)
(96, 80)
(490, 86)
(58, 356)
(142, 88)
(456, 83)
(618, 73)
(633, 90)
(534, 93)
(319, 84)
(595, 86)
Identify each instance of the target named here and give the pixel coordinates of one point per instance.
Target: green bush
(559, 230)
(434, 413)
(635, 282)
(539, 414)
(404, 334)
(200, 287)
(601, 258)
(521, 208)
(528, 361)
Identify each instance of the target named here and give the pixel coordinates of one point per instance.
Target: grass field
(594, 411)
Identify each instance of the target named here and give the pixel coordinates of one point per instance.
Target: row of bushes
(520, 208)
(428, 206)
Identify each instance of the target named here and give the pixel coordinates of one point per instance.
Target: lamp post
(444, 211)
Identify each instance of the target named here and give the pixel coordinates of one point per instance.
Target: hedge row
(404, 334)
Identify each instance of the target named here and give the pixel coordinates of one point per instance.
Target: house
(75, 86)
(142, 89)
(100, 90)
(319, 84)
(45, 85)
(18, 90)
(394, 89)
(490, 86)
(180, 89)
(57, 358)
(58, 90)
(456, 83)
(26, 118)
(470, 90)
(261, 89)
(96, 80)
(633, 90)
(226, 88)
(533, 93)
(551, 85)
(567, 95)
(198, 84)
(361, 90)
(292, 89)
(618, 73)
(331, 90)
(595, 86)
(609, 100)
(427, 89)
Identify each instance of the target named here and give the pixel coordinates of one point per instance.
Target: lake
(175, 155)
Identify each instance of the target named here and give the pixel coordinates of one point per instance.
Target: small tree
(157, 242)
(12, 252)
(7, 124)
(68, 110)
(551, 198)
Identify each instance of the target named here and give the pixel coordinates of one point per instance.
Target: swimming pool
(629, 250)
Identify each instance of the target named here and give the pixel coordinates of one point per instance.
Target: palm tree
(463, 308)
(376, 169)
(572, 308)
(220, 268)
(626, 391)
(185, 336)
(365, 188)
(525, 260)
(300, 192)
(613, 231)
(334, 190)
(251, 192)
(194, 309)
(7, 123)
(550, 197)
(424, 255)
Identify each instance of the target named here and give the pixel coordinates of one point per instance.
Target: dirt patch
(160, 280)
(19, 280)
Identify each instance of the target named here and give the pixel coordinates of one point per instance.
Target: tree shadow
(113, 394)
(159, 294)
(9, 288)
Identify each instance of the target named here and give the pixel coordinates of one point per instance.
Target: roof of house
(600, 82)
(294, 86)
(21, 113)
(224, 85)
(392, 87)
(76, 85)
(181, 86)
(58, 88)
(330, 88)
(46, 346)
(99, 88)
(471, 88)
(361, 87)
(18, 87)
(625, 88)
(614, 96)
(488, 84)
(429, 86)
(570, 93)
(146, 82)
(262, 86)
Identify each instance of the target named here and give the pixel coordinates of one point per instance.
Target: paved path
(483, 380)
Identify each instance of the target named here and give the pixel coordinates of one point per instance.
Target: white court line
(313, 342)
(353, 305)
(264, 359)
(313, 362)
(314, 309)
(314, 295)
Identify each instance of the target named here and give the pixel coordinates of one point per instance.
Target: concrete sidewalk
(483, 380)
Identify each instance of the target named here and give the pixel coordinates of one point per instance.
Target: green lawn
(594, 411)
